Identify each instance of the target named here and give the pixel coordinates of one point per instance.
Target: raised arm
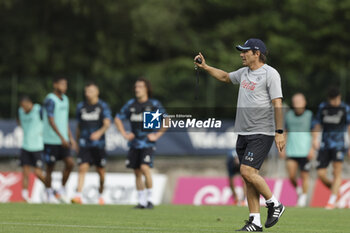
(218, 74)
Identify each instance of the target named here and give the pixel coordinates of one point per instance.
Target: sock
(142, 197)
(100, 195)
(332, 199)
(273, 200)
(50, 194)
(256, 220)
(78, 194)
(62, 190)
(25, 194)
(49, 191)
(299, 190)
(302, 200)
(149, 194)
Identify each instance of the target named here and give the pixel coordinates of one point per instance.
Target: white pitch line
(104, 227)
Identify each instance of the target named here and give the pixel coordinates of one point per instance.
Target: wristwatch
(279, 131)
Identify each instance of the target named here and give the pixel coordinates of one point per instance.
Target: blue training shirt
(133, 111)
(90, 118)
(334, 121)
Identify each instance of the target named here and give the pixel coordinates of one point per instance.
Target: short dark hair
(148, 85)
(333, 92)
(262, 57)
(59, 78)
(90, 83)
(25, 98)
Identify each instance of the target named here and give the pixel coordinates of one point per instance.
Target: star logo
(156, 115)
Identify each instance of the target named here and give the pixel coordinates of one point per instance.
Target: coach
(259, 121)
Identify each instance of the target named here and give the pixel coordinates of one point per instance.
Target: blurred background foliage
(112, 42)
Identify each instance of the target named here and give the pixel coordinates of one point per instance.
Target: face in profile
(140, 89)
(91, 92)
(61, 86)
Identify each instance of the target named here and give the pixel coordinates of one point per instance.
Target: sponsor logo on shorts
(249, 157)
(103, 162)
(340, 155)
(147, 159)
(39, 163)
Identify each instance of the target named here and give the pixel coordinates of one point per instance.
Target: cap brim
(242, 48)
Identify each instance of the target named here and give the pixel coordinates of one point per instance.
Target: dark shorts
(232, 166)
(253, 149)
(31, 158)
(137, 157)
(53, 153)
(93, 156)
(325, 156)
(303, 163)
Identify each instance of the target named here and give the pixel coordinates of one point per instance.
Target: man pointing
(259, 121)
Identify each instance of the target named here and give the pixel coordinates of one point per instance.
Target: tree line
(113, 42)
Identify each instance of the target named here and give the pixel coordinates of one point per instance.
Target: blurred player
(30, 119)
(259, 120)
(232, 165)
(299, 150)
(141, 143)
(333, 117)
(94, 118)
(57, 137)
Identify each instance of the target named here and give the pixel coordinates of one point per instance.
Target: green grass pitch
(35, 218)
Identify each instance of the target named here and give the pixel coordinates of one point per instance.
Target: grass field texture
(35, 218)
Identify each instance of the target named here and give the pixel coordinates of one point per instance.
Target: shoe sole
(246, 231)
(273, 223)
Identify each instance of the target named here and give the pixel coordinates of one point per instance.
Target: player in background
(30, 119)
(141, 142)
(299, 150)
(57, 137)
(333, 117)
(94, 118)
(259, 121)
(232, 165)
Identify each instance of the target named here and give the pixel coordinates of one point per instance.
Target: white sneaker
(51, 199)
(61, 197)
(299, 190)
(26, 199)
